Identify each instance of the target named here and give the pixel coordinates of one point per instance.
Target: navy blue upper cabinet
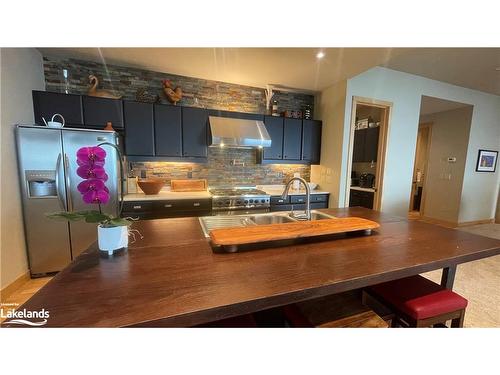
(274, 126)
(194, 132)
(98, 111)
(311, 141)
(46, 104)
(168, 130)
(292, 139)
(139, 129)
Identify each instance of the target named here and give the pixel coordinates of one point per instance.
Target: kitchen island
(171, 278)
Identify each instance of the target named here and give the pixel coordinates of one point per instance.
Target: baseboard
(451, 224)
(444, 223)
(13, 286)
(476, 222)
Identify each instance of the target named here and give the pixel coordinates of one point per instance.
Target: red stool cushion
(419, 297)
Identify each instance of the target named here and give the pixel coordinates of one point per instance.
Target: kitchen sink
(271, 219)
(209, 223)
(317, 215)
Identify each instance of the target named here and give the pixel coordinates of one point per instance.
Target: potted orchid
(112, 232)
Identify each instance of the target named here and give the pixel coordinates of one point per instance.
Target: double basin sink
(209, 223)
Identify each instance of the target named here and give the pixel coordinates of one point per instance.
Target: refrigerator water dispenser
(41, 184)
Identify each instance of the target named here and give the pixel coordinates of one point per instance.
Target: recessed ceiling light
(320, 55)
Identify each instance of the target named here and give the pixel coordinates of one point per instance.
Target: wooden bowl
(151, 186)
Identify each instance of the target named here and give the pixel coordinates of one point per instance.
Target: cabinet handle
(167, 205)
(196, 204)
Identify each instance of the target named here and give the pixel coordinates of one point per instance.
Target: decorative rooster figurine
(173, 95)
(93, 91)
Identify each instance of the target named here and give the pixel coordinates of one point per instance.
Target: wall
(330, 107)
(443, 183)
(197, 92)
(479, 191)
(226, 166)
(21, 72)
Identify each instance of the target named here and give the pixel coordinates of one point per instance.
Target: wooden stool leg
(458, 322)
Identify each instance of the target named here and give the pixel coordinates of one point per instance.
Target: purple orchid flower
(91, 162)
(96, 197)
(91, 154)
(91, 184)
(92, 171)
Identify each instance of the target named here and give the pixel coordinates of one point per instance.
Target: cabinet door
(168, 130)
(98, 111)
(371, 144)
(358, 153)
(367, 200)
(47, 104)
(354, 199)
(292, 139)
(311, 141)
(139, 133)
(194, 132)
(274, 126)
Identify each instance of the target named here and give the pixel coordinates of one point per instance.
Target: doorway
(420, 168)
(369, 128)
(439, 164)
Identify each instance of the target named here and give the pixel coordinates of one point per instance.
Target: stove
(239, 198)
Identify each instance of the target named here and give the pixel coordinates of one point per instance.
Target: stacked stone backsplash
(219, 170)
(197, 92)
(225, 167)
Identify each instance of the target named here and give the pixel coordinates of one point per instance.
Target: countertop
(172, 278)
(371, 190)
(167, 195)
(278, 190)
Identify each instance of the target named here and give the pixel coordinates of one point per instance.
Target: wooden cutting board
(285, 231)
(188, 185)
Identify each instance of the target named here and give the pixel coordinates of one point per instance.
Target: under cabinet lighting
(320, 55)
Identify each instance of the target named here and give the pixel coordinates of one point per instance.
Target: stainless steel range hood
(234, 132)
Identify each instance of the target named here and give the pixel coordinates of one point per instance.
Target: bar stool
(343, 310)
(417, 302)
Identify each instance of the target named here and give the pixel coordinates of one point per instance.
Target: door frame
(382, 146)
(427, 152)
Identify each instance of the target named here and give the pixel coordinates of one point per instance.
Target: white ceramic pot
(111, 239)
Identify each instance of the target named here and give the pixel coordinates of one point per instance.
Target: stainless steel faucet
(307, 215)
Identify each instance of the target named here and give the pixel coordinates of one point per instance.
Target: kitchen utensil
(54, 124)
(151, 186)
(188, 185)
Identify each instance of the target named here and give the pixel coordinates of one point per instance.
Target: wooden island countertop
(172, 278)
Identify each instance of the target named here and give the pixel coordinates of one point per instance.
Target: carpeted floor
(479, 282)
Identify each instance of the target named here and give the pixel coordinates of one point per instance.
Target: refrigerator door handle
(68, 182)
(60, 196)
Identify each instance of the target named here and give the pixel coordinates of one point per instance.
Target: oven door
(243, 211)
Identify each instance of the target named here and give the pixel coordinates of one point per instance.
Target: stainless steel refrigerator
(48, 179)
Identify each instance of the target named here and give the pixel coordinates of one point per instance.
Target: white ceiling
(430, 105)
(299, 68)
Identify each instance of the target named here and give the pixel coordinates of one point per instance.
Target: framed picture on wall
(486, 161)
